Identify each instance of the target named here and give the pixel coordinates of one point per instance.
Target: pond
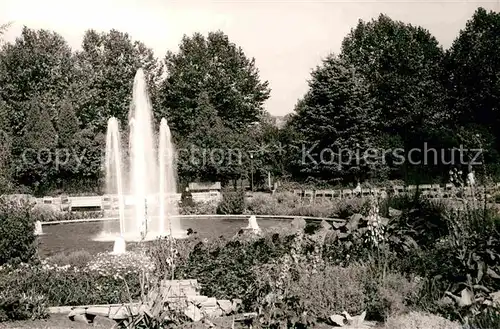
(70, 237)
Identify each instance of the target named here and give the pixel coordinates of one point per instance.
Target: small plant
(15, 306)
(17, 232)
(233, 203)
(488, 319)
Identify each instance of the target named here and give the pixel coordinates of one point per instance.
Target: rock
(226, 306)
(212, 312)
(209, 302)
(325, 225)
(236, 304)
(298, 223)
(193, 313)
(353, 222)
(197, 300)
(338, 225)
(337, 320)
(394, 213)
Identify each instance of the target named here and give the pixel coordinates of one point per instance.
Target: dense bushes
(17, 232)
(233, 203)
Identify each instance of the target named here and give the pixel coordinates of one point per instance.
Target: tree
(67, 125)
(335, 122)
(473, 80)
(3, 29)
(35, 164)
(38, 64)
(402, 65)
(107, 65)
(215, 67)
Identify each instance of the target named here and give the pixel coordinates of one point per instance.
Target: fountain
(146, 207)
(38, 228)
(253, 226)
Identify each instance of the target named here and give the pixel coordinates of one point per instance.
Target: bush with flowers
(107, 279)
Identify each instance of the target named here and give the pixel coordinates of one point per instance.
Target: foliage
(285, 204)
(26, 290)
(224, 267)
(214, 71)
(233, 203)
(391, 87)
(17, 232)
(335, 117)
(422, 219)
(472, 84)
(107, 65)
(198, 208)
(490, 318)
(25, 306)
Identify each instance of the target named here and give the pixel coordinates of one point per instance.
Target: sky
(287, 38)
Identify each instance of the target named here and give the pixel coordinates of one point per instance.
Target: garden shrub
(233, 203)
(422, 219)
(15, 306)
(45, 213)
(327, 291)
(198, 208)
(288, 204)
(17, 232)
(488, 319)
(224, 268)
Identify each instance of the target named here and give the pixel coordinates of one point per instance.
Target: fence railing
(429, 190)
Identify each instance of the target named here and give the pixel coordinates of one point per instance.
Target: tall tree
(38, 64)
(35, 165)
(107, 65)
(473, 80)
(3, 29)
(402, 65)
(335, 122)
(216, 67)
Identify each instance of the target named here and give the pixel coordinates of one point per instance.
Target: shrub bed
(402, 254)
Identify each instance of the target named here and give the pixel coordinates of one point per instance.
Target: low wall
(107, 202)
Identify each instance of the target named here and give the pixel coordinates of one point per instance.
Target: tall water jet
(168, 186)
(143, 162)
(114, 176)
